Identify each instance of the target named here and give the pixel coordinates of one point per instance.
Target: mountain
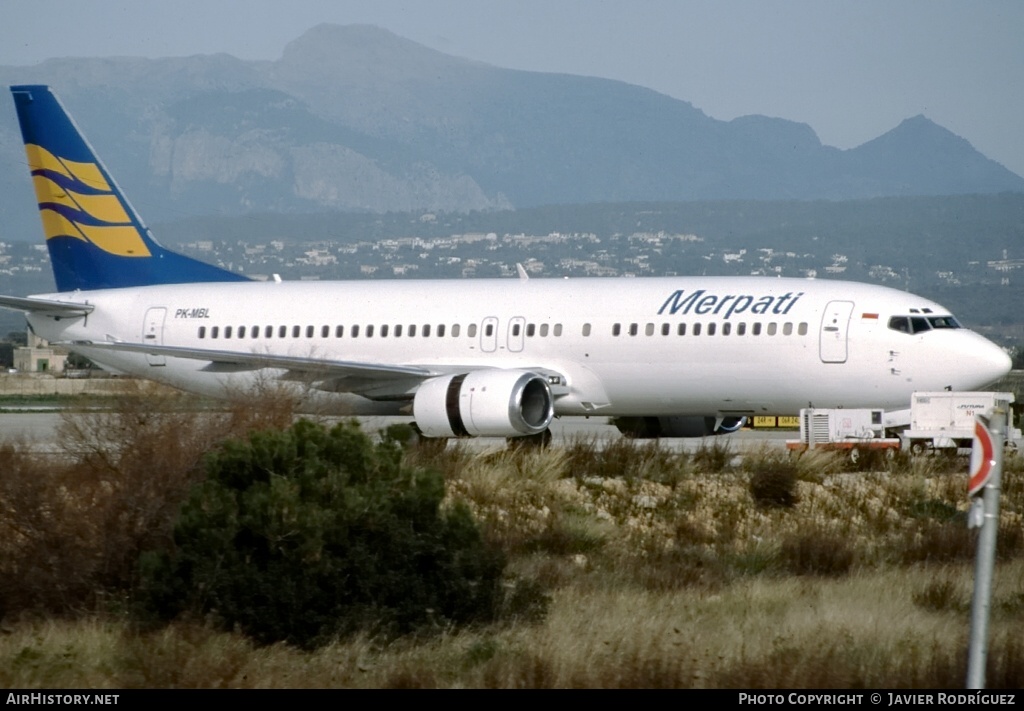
(355, 118)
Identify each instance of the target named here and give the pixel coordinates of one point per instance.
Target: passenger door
(835, 327)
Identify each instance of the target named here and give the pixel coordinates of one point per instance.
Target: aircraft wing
(232, 361)
(45, 306)
(376, 381)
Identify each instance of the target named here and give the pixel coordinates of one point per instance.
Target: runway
(41, 429)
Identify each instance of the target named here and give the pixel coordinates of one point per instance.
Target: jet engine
(677, 426)
(484, 403)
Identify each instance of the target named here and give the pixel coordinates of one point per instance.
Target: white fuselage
(645, 347)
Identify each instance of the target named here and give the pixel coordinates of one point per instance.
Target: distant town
(25, 269)
(493, 255)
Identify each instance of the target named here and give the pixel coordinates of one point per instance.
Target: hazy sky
(852, 70)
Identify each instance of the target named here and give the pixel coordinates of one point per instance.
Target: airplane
(664, 356)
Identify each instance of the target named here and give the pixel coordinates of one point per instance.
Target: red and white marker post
(983, 488)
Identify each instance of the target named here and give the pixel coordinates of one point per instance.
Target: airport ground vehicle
(936, 421)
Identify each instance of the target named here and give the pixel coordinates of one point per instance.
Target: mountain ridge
(356, 118)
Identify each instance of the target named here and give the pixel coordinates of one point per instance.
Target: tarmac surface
(41, 429)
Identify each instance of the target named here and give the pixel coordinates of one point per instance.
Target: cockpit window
(900, 323)
(943, 322)
(920, 324)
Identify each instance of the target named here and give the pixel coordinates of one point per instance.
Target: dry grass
(864, 630)
(661, 573)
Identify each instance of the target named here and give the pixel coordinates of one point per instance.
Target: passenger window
(741, 328)
(215, 331)
(339, 331)
(471, 331)
(666, 329)
(681, 329)
(617, 329)
(325, 331)
(282, 331)
(634, 329)
(398, 330)
(202, 331)
(515, 329)
(426, 330)
(255, 331)
(586, 330)
(440, 330)
(558, 330)
(455, 330)
(384, 331)
(354, 332)
(227, 332)
(296, 331)
(787, 329)
(531, 329)
(649, 329)
(802, 329)
(543, 330)
(696, 329)
(772, 328)
(711, 328)
(241, 331)
(412, 330)
(369, 331)
(756, 328)
(489, 330)
(268, 331)
(309, 331)
(726, 328)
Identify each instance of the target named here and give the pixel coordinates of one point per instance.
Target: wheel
(918, 448)
(855, 455)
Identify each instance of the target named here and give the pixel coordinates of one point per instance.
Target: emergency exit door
(153, 333)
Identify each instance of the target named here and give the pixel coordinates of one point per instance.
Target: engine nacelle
(484, 403)
(677, 426)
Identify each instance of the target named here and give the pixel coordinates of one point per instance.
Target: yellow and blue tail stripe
(95, 238)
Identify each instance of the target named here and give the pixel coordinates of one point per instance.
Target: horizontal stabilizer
(46, 307)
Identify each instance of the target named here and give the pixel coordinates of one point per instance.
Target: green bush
(306, 534)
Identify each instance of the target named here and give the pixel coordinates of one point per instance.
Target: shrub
(773, 480)
(75, 523)
(817, 551)
(306, 534)
(941, 595)
(712, 456)
(626, 458)
(946, 542)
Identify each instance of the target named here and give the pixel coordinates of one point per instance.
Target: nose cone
(982, 362)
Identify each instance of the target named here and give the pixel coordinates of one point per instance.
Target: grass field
(717, 568)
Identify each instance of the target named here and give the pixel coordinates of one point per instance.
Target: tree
(17, 338)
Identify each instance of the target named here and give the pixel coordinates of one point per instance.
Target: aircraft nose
(989, 362)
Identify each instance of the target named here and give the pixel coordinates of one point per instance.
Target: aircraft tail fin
(95, 238)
